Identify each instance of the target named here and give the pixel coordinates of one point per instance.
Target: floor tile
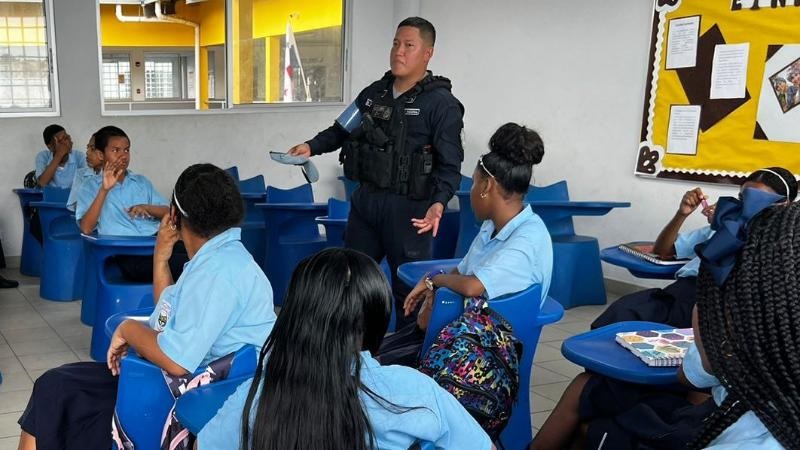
(10, 365)
(546, 353)
(553, 334)
(540, 403)
(16, 381)
(562, 367)
(553, 391)
(29, 334)
(9, 426)
(538, 419)
(14, 401)
(9, 443)
(5, 350)
(573, 328)
(47, 360)
(79, 341)
(37, 347)
(542, 375)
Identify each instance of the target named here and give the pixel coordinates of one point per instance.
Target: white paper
(684, 124)
(729, 72)
(682, 42)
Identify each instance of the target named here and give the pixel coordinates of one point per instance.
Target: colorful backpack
(476, 358)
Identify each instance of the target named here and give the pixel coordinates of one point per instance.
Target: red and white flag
(288, 87)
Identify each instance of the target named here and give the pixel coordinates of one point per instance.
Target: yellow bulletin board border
(736, 136)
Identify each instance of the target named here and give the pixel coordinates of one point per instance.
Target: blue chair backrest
(253, 185)
(522, 311)
(563, 226)
(233, 172)
(143, 416)
(338, 209)
(349, 186)
(55, 194)
(299, 194)
(466, 183)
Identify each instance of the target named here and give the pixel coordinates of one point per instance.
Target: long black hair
(749, 329)
(208, 199)
(513, 151)
(337, 304)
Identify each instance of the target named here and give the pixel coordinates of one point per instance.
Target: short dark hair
(102, 136)
(210, 198)
(50, 131)
(426, 29)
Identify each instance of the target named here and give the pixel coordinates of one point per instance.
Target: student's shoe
(7, 284)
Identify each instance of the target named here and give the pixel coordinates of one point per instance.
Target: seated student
(318, 385)
(221, 302)
(94, 163)
(512, 250)
(746, 337)
(57, 165)
(673, 304)
(123, 203)
(625, 415)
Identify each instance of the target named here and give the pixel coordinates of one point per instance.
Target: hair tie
(178, 204)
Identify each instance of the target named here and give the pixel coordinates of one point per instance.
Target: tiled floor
(37, 334)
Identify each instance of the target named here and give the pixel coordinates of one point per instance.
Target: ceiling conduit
(162, 18)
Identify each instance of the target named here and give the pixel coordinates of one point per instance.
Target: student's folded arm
(145, 341)
(88, 222)
(466, 285)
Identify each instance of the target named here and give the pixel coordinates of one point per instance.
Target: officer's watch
(429, 279)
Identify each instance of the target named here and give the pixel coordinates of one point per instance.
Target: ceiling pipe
(161, 18)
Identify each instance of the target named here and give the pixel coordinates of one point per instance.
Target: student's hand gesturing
(690, 201)
(112, 174)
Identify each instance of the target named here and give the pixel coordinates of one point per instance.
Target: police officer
(405, 152)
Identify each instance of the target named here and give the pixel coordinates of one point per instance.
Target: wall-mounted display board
(723, 90)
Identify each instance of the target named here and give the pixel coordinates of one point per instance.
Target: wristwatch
(429, 279)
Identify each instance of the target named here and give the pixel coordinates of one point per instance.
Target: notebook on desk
(658, 348)
(644, 250)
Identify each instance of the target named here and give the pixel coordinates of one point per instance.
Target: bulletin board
(723, 90)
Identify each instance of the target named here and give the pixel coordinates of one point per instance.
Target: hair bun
(517, 144)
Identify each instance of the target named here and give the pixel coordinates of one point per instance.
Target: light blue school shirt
(114, 220)
(746, 433)
(221, 302)
(684, 248)
(520, 255)
(440, 418)
(64, 175)
(81, 175)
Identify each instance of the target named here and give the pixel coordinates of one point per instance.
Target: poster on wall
(723, 90)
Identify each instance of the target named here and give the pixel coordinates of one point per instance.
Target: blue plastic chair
(143, 416)
(62, 259)
(31, 258)
(335, 222)
(292, 233)
(140, 315)
(410, 273)
(598, 351)
(527, 319)
(254, 235)
(233, 172)
(350, 186)
(114, 293)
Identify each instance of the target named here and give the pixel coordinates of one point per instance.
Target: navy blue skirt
(71, 407)
(671, 305)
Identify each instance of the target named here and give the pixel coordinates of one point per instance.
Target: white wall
(163, 146)
(575, 71)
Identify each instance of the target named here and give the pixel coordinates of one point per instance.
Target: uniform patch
(412, 111)
(163, 316)
(368, 103)
(382, 112)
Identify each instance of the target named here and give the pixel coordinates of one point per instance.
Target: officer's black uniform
(407, 156)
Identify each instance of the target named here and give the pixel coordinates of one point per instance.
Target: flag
(288, 88)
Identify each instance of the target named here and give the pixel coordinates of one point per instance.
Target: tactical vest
(378, 152)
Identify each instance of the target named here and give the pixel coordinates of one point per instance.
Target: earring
(484, 194)
(172, 227)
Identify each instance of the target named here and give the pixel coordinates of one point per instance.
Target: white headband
(785, 184)
(178, 204)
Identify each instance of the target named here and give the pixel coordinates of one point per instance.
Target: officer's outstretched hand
(301, 150)
(431, 220)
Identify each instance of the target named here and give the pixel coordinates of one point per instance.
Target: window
(116, 77)
(179, 56)
(26, 75)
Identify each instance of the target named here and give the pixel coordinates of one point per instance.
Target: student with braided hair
(747, 340)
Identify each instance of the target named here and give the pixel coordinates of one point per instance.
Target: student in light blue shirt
(118, 203)
(94, 164)
(221, 302)
(57, 165)
(318, 385)
(746, 340)
(673, 304)
(511, 252)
